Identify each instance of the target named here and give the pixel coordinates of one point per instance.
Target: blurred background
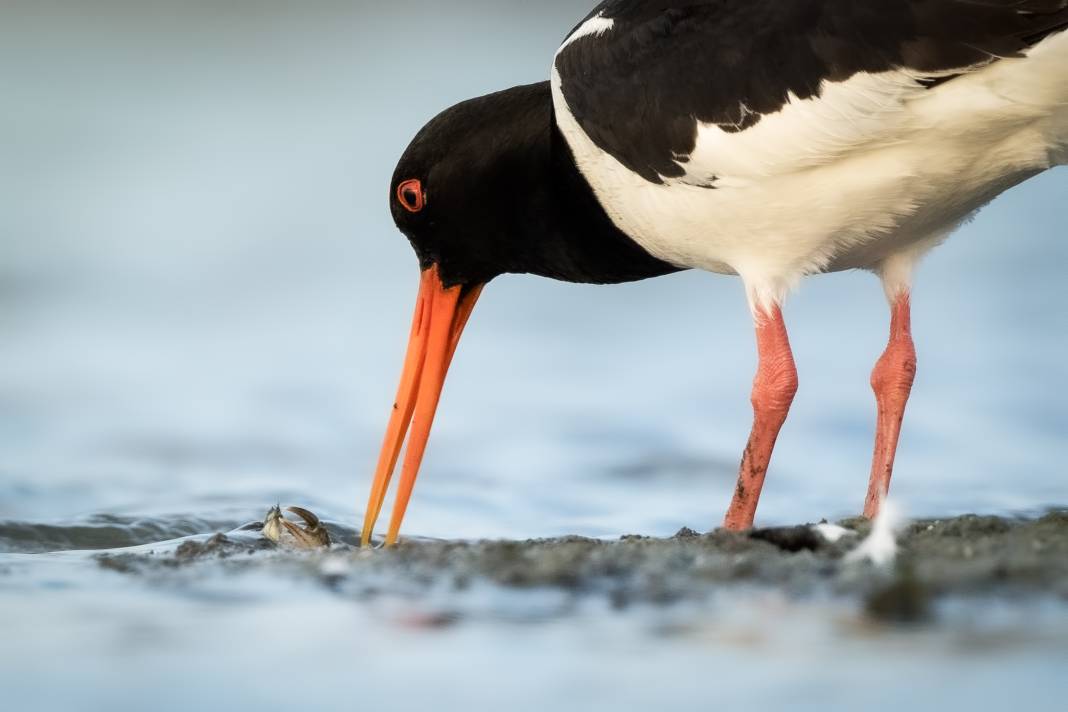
(204, 304)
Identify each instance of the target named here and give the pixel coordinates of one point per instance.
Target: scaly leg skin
(773, 393)
(892, 382)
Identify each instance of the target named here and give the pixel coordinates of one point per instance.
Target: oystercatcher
(764, 139)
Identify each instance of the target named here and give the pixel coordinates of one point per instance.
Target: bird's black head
(465, 186)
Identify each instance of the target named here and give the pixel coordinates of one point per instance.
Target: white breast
(874, 167)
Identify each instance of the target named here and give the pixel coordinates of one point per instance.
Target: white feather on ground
(880, 547)
(832, 533)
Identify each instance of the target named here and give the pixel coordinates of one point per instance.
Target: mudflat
(970, 556)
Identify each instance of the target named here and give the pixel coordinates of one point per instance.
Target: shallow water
(157, 626)
(202, 312)
(261, 639)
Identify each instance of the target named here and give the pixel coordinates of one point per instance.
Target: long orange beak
(440, 316)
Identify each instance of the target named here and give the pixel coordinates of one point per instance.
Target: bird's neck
(568, 234)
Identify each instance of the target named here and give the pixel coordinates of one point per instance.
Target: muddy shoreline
(1010, 559)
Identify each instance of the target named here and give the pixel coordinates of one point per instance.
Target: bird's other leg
(892, 382)
(773, 392)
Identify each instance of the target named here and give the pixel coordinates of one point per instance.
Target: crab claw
(312, 535)
(309, 518)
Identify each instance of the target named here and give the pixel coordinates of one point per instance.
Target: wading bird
(765, 139)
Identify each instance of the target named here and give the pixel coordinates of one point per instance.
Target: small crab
(282, 531)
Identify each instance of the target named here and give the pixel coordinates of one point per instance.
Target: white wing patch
(595, 26)
(862, 113)
(872, 111)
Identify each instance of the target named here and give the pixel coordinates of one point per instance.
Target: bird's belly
(931, 223)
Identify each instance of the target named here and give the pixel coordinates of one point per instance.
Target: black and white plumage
(636, 75)
(771, 139)
(775, 139)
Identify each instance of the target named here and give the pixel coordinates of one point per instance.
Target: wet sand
(970, 556)
(972, 614)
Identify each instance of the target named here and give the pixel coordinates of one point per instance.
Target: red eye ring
(410, 195)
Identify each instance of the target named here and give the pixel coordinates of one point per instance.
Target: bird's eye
(410, 195)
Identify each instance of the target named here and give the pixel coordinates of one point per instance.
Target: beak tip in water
(440, 316)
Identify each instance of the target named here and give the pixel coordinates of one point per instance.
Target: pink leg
(892, 382)
(773, 393)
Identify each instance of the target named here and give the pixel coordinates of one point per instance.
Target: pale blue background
(203, 309)
(203, 301)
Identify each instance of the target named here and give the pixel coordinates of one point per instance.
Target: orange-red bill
(440, 316)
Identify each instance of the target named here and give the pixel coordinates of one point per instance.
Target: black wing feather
(637, 89)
